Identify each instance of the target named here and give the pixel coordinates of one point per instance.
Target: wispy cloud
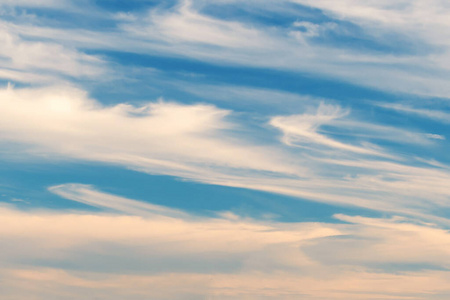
(88, 195)
(305, 130)
(302, 130)
(43, 61)
(155, 136)
(437, 115)
(201, 142)
(184, 30)
(185, 24)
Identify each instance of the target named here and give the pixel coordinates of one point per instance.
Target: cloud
(435, 136)
(186, 25)
(329, 155)
(437, 115)
(390, 241)
(244, 97)
(28, 61)
(185, 30)
(158, 137)
(303, 129)
(88, 195)
(156, 235)
(400, 15)
(138, 255)
(51, 284)
(204, 143)
(31, 3)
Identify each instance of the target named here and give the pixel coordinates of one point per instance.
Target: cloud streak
(304, 129)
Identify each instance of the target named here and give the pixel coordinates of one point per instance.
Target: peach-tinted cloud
(48, 255)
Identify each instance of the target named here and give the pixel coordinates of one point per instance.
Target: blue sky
(212, 149)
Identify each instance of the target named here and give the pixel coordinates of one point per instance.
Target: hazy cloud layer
(138, 255)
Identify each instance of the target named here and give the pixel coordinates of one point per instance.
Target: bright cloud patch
(156, 137)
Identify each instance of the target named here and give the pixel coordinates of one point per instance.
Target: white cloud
(187, 32)
(88, 195)
(158, 137)
(418, 16)
(301, 130)
(187, 25)
(435, 136)
(43, 61)
(164, 253)
(200, 142)
(304, 130)
(437, 115)
(184, 31)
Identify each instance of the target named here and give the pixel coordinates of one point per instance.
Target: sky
(224, 149)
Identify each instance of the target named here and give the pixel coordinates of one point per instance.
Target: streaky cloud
(200, 142)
